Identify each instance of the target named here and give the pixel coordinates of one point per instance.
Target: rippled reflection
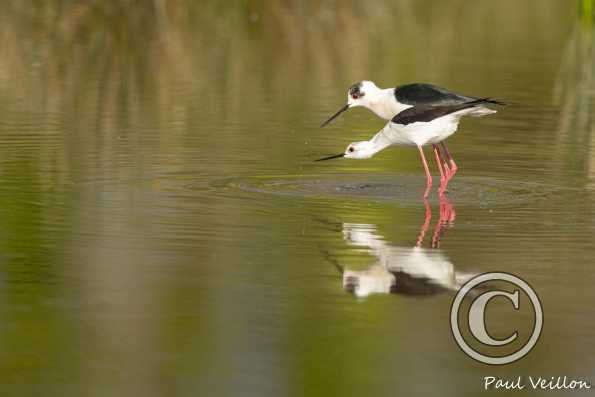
(126, 268)
(404, 270)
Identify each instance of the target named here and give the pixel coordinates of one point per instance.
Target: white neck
(385, 105)
(380, 141)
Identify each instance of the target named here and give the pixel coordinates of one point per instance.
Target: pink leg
(444, 172)
(453, 165)
(439, 162)
(445, 166)
(427, 169)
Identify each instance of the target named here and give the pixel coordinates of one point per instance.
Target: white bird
(420, 114)
(411, 271)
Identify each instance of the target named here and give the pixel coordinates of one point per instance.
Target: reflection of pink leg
(427, 169)
(425, 226)
(447, 211)
(447, 218)
(451, 161)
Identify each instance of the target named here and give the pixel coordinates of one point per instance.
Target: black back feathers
(427, 113)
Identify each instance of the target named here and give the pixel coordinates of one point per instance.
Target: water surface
(164, 230)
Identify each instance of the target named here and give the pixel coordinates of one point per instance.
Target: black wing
(409, 285)
(428, 94)
(426, 113)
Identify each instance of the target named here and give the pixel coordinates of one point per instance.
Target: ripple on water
(401, 189)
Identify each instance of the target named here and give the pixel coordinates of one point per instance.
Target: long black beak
(334, 116)
(334, 156)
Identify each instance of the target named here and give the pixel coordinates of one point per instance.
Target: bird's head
(355, 150)
(363, 94)
(359, 150)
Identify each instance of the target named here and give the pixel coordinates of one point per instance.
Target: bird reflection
(414, 270)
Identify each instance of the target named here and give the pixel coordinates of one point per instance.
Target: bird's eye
(351, 149)
(355, 96)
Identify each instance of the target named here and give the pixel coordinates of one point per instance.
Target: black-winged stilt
(420, 114)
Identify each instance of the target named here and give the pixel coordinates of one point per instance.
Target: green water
(164, 230)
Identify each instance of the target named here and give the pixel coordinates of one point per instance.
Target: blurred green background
(149, 245)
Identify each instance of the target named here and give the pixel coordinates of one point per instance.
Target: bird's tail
(479, 101)
(477, 110)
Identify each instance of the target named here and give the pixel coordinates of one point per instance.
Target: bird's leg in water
(427, 169)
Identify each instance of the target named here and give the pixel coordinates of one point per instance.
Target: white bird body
(419, 114)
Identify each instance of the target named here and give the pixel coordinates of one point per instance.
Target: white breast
(426, 133)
